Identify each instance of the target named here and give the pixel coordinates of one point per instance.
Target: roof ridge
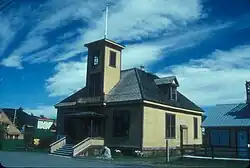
(124, 70)
(224, 104)
(139, 83)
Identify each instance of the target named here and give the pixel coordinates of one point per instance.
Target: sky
(204, 43)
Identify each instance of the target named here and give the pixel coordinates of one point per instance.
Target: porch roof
(86, 114)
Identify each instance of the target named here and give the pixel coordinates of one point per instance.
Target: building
(131, 108)
(22, 118)
(228, 126)
(11, 132)
(46, 123)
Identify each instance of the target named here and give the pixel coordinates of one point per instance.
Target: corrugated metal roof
(228, 115)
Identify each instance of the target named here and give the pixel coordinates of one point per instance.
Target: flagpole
(106, 22)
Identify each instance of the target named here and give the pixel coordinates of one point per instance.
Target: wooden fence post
(205, 150)
(167, 151)
(212, 149)
(194, 149)
(248, 147)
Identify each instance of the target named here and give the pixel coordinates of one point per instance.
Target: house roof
(12, 130)
(4, 118)
(228, 115)
(22, 118)
(136, 84)
(86, 113)
(167, 80)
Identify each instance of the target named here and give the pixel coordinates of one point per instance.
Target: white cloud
(10, 24)
(47, 111)
(69, 76)
(148, 21)
(130, 19)
(218, 78)
(12, 61)
(132, 56)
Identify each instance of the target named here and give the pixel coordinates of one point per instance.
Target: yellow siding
(134, 139)
(154, 128)
(111, 74)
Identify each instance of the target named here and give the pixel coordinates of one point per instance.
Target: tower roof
(107, 41)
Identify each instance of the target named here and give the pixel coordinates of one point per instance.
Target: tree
(2, 131)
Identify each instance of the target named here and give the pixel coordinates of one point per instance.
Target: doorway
(183, 135)
(242, 142)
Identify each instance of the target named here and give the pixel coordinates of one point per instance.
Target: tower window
(95, 84)
(112, 59)
(96, 58)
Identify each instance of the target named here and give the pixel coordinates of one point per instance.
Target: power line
(5, 6)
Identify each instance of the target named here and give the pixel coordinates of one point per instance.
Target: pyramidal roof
(135, 84)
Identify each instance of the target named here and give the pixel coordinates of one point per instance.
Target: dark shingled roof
(136, 84)
(167, 80)
(22, 118)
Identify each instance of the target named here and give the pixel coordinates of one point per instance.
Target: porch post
(91, 128)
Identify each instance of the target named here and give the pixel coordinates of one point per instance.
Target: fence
(215, 151)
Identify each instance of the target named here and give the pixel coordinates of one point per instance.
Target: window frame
(96, 54)
(170, 126)
(121, 123)
(112, 59)
(173, 93)
(195, 125)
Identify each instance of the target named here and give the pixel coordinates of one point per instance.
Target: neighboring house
(228, 125)
(11, 131)
(128, 108)
(44, 123)
(22, 118)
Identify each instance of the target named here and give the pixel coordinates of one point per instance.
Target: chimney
(142, 67)
(248, 91)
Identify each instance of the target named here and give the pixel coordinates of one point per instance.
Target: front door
(242, 142)
(185, 136)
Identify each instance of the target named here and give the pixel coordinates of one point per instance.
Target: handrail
(80, 143)
(85, 144)
(59, 140)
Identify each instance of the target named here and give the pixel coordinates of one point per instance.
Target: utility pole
(14, 119)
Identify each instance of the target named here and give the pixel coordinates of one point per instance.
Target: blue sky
(205, 43)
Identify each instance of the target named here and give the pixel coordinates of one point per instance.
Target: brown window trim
(112, 63)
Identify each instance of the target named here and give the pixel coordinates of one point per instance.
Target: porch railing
(86, 143)
(57, 144)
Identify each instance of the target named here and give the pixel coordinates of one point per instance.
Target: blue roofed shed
(227, 125)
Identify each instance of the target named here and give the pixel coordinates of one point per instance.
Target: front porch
(81, 125)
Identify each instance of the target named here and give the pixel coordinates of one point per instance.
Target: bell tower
(103, 66)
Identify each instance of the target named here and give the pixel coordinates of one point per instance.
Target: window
(195, 128)
(121, 123)
(173, 93)
(170, 126)
(112, 59)
(220, 137)
(96, 58)
(95, 84)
